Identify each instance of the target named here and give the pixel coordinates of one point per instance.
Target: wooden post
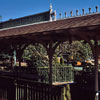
(96, 55)
(14, 57)
(20, 51)
(50, 54)
(50, 68)
(20, 57)
(50, 51)
(96, 51)
(19, 63)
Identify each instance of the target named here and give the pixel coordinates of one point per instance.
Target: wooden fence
(18, 89)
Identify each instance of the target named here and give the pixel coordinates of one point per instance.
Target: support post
(96, 51)
(14, 57)
(20, 63)
(50, 68)
(20, 51)
(50, 51)
(96, 55)
(50, 55)
(19, 58)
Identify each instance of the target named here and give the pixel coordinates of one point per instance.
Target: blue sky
(19, 8)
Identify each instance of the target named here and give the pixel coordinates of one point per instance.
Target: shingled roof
(62, 24)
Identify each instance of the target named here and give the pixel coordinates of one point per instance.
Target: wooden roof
(88, 24)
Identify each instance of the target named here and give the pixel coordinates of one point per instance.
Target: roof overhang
(64, 29)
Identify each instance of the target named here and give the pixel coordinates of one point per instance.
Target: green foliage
(77, 50)
(36, 55)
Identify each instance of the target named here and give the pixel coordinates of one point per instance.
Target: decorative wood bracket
(50, 48)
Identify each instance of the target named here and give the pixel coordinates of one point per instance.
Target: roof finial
(55, 15)
(96, 8)
(50, 9)
(60, 15)
(65, 14)
(76, 12)
(89, 10)
(71, 13)
(83, 11)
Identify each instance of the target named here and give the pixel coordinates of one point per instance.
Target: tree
(36, 55)
(77, 50)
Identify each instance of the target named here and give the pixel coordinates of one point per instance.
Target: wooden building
(50, 33)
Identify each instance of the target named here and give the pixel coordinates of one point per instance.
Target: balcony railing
(60, 74)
